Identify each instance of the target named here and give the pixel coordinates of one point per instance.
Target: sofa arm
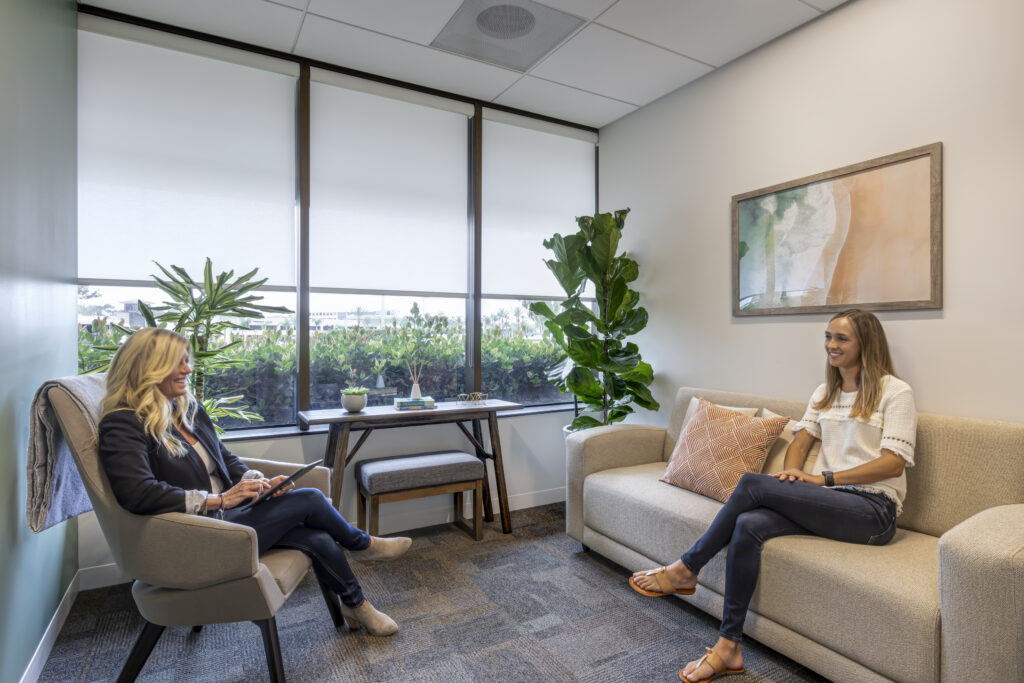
(602, 448)
(981, 594)
(175, 550)
(316, 478)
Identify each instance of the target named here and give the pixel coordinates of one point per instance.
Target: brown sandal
(718, 667)
(661, 574)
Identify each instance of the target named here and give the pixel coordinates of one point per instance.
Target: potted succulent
(353, 398)
(603, 371)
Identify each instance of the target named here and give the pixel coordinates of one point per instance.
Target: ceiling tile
(416, 20)
(587, 9)
(825, 5)
(373, 53)
(297, 4)
(250, 21)
(608, 63)
(713, 32)
(562, 102)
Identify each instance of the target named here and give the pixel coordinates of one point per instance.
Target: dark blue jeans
(305, 520)
(763, 507)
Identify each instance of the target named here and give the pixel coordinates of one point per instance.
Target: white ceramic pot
(353, 403)
(415, 393)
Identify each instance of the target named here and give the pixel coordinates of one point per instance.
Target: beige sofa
(944, 601)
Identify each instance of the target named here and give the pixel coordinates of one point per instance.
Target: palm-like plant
(202, 312)
(602, 370)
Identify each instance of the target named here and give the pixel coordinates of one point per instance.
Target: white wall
(871, 78)
(533, 452)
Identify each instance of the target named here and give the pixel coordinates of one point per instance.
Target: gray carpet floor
(526, 606)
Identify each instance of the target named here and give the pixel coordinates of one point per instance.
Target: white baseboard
(101, 576)
(42, 653)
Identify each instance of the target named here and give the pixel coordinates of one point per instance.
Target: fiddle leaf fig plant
(603, 370)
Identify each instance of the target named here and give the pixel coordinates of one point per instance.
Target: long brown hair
(875, 364)
(138, 368)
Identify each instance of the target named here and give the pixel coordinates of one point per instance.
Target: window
(536, 179)
(187, 150)
(183, 156)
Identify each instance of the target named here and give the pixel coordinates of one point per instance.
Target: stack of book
(425, 403)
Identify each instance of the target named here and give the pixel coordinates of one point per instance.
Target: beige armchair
(190, 570)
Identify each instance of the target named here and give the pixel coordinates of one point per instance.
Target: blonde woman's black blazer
(148, 480)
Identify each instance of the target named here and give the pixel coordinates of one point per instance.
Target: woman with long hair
(161, 454)
(865, 418)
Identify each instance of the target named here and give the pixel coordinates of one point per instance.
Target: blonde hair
(875, 364)
(144, 360)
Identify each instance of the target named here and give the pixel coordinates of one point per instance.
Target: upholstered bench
(403, 477)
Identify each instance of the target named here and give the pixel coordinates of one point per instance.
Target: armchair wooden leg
(331, 598)
(140, 652)
(273, 648)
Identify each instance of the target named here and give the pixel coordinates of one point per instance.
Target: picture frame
(868, 235)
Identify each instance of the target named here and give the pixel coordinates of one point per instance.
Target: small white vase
(353, 403)
(415, 393)
(380, 381)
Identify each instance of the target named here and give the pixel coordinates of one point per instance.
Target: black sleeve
(126, 453)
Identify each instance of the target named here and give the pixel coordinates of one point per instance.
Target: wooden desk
(385, 417)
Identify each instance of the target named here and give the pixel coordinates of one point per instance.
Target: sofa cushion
(630, 505)
(855, 599)
(717, 447)
(885, 597)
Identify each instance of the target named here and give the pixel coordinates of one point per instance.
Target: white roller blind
(535, 183)
(181, 157)
(388, 194)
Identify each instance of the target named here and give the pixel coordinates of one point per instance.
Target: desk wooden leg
(499, 475)
(478, 434)
(340, 443)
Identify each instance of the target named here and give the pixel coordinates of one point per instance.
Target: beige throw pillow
(777, 453)
(719, 446)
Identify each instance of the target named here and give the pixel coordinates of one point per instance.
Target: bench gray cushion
(383, 475)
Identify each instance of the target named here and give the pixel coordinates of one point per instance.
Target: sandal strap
(714, 661)
(663, 581)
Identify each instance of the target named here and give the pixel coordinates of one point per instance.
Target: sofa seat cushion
(847, 597)
(858, 598)
(630, 505)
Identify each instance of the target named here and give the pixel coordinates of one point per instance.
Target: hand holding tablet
(269, 493)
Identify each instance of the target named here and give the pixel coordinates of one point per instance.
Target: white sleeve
(809, 421)
(194, 501)
(899, 421)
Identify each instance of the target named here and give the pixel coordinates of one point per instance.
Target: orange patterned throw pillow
(719, 446)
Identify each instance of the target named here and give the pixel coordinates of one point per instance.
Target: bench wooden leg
(478, 513)
(374, 528)
(361, 514)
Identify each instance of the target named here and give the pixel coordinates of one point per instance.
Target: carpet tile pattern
(526, 606)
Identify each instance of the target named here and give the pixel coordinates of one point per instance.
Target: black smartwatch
(830, 479)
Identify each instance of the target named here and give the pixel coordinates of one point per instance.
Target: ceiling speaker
(515, 34)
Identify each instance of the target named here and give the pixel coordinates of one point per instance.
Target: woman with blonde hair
(161, 454)
(865, 418)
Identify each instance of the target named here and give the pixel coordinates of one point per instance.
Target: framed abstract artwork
(862, 236)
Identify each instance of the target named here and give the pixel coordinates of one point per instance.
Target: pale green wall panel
(37, 298)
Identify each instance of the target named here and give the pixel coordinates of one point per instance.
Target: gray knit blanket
(55, 489)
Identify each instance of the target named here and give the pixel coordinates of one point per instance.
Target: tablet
(281, 484)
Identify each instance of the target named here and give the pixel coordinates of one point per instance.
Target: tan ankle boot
(376, 623)
(383, 549)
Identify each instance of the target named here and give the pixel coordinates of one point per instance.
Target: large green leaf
(582, 382)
